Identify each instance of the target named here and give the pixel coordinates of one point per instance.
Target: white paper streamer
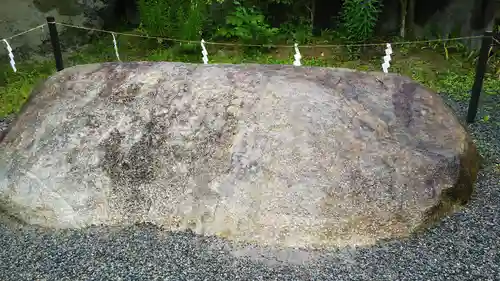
(11, 55)
(204, 52)
(297, 56)
(116, 47)
(387, 58)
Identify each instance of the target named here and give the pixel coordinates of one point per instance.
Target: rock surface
(293, 156)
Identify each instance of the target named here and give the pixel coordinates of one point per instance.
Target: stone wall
(19, 15)
(453, 19)
(458, 19)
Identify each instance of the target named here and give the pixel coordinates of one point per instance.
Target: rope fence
(488, 40)
(272, 45)
(24, 32)
(203, 42)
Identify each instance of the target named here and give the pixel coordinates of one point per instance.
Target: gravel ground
(4, 125)
(465, 246)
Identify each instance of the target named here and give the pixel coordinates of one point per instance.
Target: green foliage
(296, 33)
(155, 17)
(248, 25)
(359, 18)
(173, 18)
(16, 87)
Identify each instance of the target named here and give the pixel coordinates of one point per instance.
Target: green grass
(441, 71)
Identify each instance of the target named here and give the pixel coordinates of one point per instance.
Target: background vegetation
(446, 66)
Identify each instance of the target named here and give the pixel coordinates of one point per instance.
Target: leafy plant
(248, 25)
(297, 33)
(359, 18)
(441, 42)
(171, 18)
(155, 17)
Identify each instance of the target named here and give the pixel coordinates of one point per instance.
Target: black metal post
(480, 72)
(56, 45)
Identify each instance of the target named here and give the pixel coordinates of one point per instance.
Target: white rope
(116, 47)
(11, 55)
(9, 48)
(204, 52)
(387, 58)
(24, 32)
(297, 55)
(271, 45)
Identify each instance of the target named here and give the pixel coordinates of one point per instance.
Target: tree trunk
(404, 9)
(410, 22)
(312, 12)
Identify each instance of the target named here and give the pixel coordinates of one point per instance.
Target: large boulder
(293, 156)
